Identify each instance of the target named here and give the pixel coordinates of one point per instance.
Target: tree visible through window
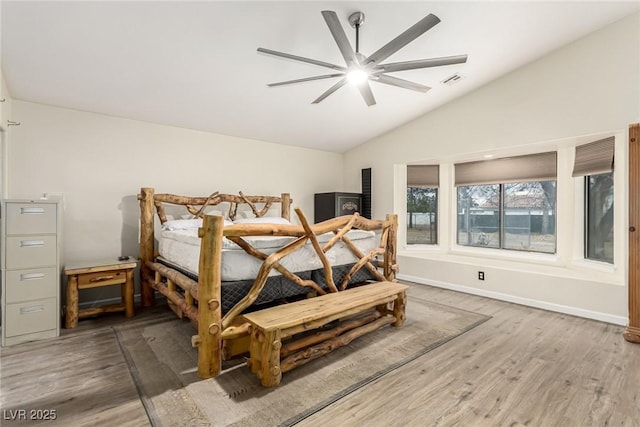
(517, 216)
(422, 204)
(599, 217)
(479, 215)
(422, 221)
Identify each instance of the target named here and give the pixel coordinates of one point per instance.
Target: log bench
(270, 357)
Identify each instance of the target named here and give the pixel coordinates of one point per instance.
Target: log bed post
(146, 245)
(285, 206)
(209, 298)
(389, 263)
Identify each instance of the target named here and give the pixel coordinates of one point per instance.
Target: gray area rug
(163, 366)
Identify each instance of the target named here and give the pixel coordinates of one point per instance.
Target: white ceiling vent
(454, 78)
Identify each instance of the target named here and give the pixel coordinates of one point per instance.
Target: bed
(216, 258)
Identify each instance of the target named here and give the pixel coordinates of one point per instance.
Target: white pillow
(182, 224)
(244, 215)
(186, 224)
(262, 220)
(217, 212)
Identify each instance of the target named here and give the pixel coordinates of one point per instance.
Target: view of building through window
(517, 216)
(422, 219)
(599, 217)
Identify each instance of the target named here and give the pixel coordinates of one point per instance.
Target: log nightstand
(95, 274)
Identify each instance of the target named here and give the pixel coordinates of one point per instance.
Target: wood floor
(522, 367)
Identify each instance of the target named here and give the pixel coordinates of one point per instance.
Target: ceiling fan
(361, 69)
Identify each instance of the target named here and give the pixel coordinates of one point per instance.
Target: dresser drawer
(35, 283)
(31, 218)
(30, 251)
(101, 278)
(28, 317)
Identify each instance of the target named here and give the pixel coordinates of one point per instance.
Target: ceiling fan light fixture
(357, 76)
(359, 69)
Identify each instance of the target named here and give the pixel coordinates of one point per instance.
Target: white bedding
(182, 247)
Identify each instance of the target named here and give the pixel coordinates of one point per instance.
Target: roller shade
(594, 158)
(532, 167)
(423, 175)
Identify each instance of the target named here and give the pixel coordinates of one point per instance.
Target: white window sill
(587, 264)
(423, 248)
(508, 255)
(550, 264)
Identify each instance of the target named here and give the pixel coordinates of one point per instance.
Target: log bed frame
(223, 337)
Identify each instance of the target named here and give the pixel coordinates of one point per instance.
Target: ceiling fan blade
(421, 63)
(306, 79)
(332, 89)
(301, 58)
(331, 18)
(365, 91)
(415, 31)
(394, 81)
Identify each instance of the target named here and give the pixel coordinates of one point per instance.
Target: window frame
(501, 220)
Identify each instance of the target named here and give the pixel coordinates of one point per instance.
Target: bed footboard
(216, 334)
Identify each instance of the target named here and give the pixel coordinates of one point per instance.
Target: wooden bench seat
(269, 327)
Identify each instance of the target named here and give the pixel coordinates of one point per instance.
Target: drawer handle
(31, 211)
(100, 279)
(32, 309)
(31, 276)
(29, 243)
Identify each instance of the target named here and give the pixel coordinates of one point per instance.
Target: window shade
(532, 167)
(423, 175)
(594, 158)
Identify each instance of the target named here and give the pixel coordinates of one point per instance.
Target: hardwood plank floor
(524, 366)
(82, 380)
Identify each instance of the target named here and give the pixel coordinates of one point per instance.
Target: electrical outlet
(480, 275)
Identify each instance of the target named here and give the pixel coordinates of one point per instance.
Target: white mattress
(182, 247)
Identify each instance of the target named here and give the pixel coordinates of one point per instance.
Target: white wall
(5, 115)
(590, 87)
(100, 163)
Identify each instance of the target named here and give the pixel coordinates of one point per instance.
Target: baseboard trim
(565, 309)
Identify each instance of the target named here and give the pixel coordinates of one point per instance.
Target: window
(508, 203)
(516, 216)
(599, 217)
(479, 216)
(594, 161)
(422, 218)
(422, 204)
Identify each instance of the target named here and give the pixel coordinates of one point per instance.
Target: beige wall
(99, 163)
(589, 87)
(5, 114)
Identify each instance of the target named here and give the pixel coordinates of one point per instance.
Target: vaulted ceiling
(195, 65)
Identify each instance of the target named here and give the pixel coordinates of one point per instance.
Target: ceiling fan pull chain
(357, 38)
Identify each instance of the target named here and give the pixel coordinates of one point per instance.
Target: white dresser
(31, 234)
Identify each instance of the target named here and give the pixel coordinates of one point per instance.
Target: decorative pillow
(262, 220)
